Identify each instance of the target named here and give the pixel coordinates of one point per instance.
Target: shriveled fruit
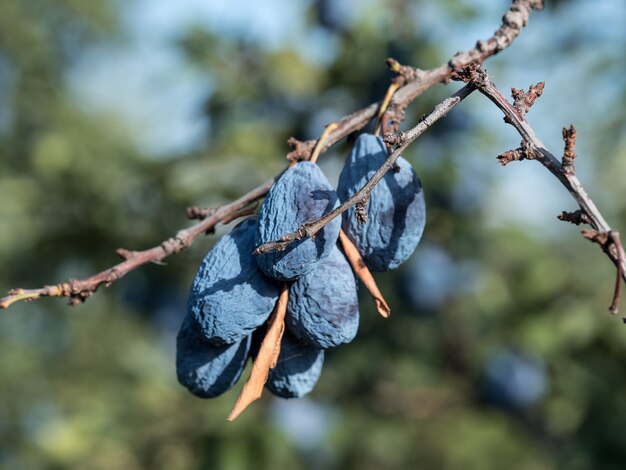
(323, 308)
(298, 369)
(396, 209)
(302, 194)
(230, 297)
(205, 369)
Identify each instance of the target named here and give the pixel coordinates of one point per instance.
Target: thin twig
(535, 147)
(513, 21)
(242, 213)
(577, 217)
(614, 236)
(417, 82)
(199, 213)
(79, 290)
(402, 140)
(569, 154)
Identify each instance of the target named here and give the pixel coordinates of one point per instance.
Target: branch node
(182, 243)
(514, 18)
(199, 213)
(395, 139)
(537, 4)
(482, 45)
(125, 254)
(405, 73)
(393, 64)
(523, 152)
(173, 245)
(569, 154)
(595, 236)
(360, 210)
(577, 217)
(523, 100)
(510, 156)
(300, 151)
(472, 73)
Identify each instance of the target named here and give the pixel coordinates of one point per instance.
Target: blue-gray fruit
(298, 368)
(230, 297)
(301, 195)
(514, 381)
(205, 369)
(323, 308)
(396, 209)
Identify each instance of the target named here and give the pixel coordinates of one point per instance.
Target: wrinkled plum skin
(323, 308)
(230, 297)
(298, 368)
(205, 369)
(302, 194)
(396, 208)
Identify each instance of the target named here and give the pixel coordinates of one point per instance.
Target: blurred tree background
(114, 116)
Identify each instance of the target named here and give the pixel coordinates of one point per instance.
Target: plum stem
(318, 147)
(384, 105)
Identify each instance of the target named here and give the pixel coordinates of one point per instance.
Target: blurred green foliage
(95, 388)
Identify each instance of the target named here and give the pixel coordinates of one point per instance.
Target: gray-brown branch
(533, 148)
(402, 140)
(79, 290)
(415, 83)
(418, 81)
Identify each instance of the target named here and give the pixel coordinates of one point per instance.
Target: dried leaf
(266, 358)
(360, 269)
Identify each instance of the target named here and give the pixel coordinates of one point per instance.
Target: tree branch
(418, 81)
(535, 149)
(413, 83)
(79, 290)
(402, 140)
(513, 21)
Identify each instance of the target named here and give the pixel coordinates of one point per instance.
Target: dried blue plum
(230, 297)
(323, 308)
(205, 369)
(396, 209)
(298, 368)
(302, 194)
